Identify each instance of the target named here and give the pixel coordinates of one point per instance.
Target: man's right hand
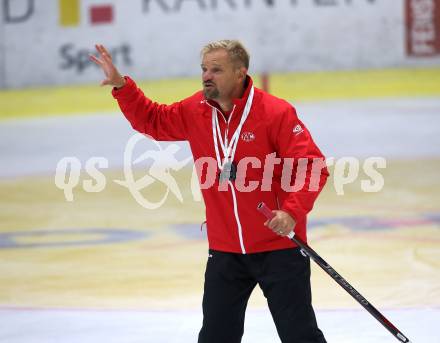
(112, 76)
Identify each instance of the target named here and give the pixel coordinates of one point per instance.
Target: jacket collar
(239, 103)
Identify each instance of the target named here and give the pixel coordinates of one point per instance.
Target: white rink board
(162, 38)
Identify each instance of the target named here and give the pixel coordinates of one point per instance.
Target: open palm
(112, 75)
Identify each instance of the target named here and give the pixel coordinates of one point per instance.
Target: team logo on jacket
(297, 130)
(248, 136)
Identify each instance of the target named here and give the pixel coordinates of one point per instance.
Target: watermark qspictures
(303, 174)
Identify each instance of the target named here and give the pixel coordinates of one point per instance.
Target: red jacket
(272, 127)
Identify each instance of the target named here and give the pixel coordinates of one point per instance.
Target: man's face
(219, 75)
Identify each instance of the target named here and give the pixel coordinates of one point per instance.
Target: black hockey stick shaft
(262, 207)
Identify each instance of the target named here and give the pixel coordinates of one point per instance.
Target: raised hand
(112, 75)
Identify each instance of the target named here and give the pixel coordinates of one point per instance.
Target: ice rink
(103, 269)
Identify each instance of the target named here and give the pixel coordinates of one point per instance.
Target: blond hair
(236, 51)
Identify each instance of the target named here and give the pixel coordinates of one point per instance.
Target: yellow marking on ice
(165, 270)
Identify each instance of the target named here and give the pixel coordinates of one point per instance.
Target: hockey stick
(262, 207)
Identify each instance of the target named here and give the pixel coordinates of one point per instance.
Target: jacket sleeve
(294, 141)
(162, 122)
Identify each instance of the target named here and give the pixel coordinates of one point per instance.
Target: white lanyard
(228, 150)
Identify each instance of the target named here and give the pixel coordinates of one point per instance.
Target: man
(236, 125)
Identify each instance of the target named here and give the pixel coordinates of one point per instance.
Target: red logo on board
(422, 27)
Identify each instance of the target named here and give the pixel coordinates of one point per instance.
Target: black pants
(283, 276)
